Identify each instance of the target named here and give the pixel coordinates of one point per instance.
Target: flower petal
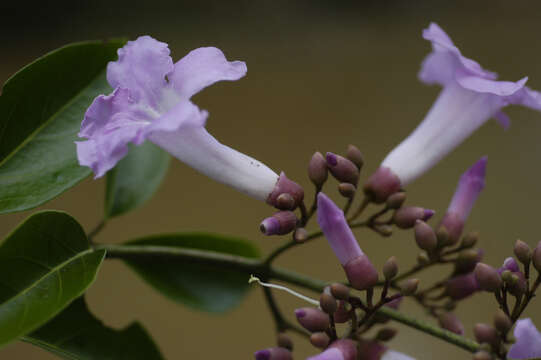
(482, 85)
(183, 114)
(142, 67)
(528, 344)
(203, 67)
(110, 123)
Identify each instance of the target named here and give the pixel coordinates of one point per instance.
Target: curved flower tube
(470, 96)
(528, 344)
(151, 101)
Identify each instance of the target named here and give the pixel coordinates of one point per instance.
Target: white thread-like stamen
(280, 287)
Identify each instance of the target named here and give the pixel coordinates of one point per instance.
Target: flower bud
(536, 257)
(422, 258)
(320, 340)
(386, 334)
(450, 322)
(470, 239)
(347, 190)
(340, 291)
(466, 261)
(443, 236)
(509, 264)
(425, 236)
(486, 334)
(406, 217)
(342, 349)
(286, 186)
(381, 184)
(317, 169)
(409, 287)
(502, 322)
(453, 224)
(361, 273)
(284, 341)
(461, 286)
(328, 303)
(280, 223)
(285, 202)
(312, 319)
(522, 252)
(482, 355)
(342, 314)
(390, 268)
(274, 353)
(300, 235)
(355, 156)
(396, 200)
(516, 284)
(487, 277)
(342, 169)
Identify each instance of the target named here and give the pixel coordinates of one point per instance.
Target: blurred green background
(322, 74)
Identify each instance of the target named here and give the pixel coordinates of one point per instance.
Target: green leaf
(202, 286)
(76, 334)
(44, 265)
(135, 178)
(41, 109)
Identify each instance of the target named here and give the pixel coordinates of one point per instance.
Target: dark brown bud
(450, 322)
(425, 237)
(342, 313)
(443, 236)
(536, 257)
(342, 169)
(317, 169)
(328, 303)
(355, 156)
(285, 202)
(284, 341)
(405, 217)
(301, 235)
(409, 287)
(386, 334)
(320, 340)
(470, 239)
(517, 284)
(390, 268)
(523, 252)
(340, 291)
(466, 261)
(482, 355)
(486, 334)
(502, 322)
(396, 200)
(347, 190)
(487, 277)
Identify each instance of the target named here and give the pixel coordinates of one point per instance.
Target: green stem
(264, 270)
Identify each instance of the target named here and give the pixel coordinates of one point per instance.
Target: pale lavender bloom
(359, 270)
(151, 100)
(343, 349)
(528, 341)
(373, 350)
(470, 96)
(469, 187)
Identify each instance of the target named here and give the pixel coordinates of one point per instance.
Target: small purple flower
(151, 101)
(528, 341)
(469, 187)
(359, 270)
(470, 96)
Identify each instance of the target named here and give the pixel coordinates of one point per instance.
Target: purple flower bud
(509, 264)
(284, 341)
(341, 315)
(469, 187)
(466, 261)
(355, 155)
(485, 333)
(461, 286)
(342, 169)
(320, 340)
(359, 270)
(536, 257)
(312, 319)
(343, 349)
(317, 169)
(283, 222)
(406, 217)
(528, 341)
(425, 236)
(382, 184)
(522, 252)
(372, 350)
(284, 185)
(502, 322)
(487, 277)
(274, 353)
(451, 322)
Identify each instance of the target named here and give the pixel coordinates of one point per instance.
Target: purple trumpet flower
(470, 96)
(151, 101)
(373, 350)
(343, 349)
(469, 187)
(359, 270)
(528, 344)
